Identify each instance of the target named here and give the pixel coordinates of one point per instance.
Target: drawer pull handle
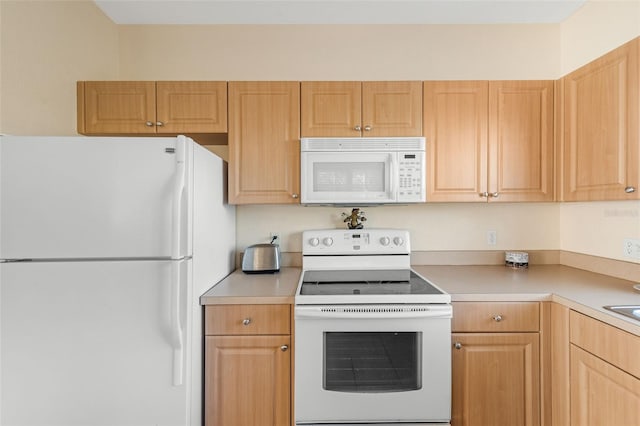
(457, 345)
(284, 348)
(246, 321)
(497, 318)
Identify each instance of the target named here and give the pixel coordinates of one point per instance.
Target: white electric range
(372, 337)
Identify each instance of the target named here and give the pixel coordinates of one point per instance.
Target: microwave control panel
(411, 175)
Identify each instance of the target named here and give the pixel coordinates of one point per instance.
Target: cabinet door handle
(368, 128)
(497, 318)
(494, 194)
(630, 189)
(159, 123)
(284, 348)
(149, 124)
(246, 321)
(294, 196)
(484, 194)
(357, 128)
(457, 345)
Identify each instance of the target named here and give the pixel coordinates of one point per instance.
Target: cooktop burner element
(361, 266)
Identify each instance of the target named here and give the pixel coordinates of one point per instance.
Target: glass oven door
(373, 363)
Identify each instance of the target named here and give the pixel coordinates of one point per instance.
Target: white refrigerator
(106, 245)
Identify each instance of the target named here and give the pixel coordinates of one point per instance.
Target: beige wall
(596, 28)
(46, 47)
(436, 226)
(340, 52)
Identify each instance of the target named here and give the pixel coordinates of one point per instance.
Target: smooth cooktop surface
(365, 282)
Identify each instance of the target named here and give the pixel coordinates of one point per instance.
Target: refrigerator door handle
(176, 324)
(178, 193)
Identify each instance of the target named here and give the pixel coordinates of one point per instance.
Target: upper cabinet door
(116, 107)
(455, 125)
(191, 106)
(330, 108)
(521, 141)
(601, 121)
(264, 145)
(354, 109)
(392, 108)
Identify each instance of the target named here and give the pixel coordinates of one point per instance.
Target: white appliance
(106, 245)
(372, 337)
(362, 171)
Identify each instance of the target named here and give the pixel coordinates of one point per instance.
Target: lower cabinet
(496, 364)
(604, 374)
(247, 365)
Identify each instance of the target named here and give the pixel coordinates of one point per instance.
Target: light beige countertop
(583, 291)
(254, 289)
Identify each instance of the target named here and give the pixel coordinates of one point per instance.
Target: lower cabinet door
(247, 381)
(602, 394)
(496, 379)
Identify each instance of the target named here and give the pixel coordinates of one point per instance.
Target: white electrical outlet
(492, 238)
(631, 248)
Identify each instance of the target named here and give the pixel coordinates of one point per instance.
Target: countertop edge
(280, 288)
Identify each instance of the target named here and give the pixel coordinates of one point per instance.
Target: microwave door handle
(393, 191)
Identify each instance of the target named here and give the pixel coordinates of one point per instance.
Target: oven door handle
(356, 313)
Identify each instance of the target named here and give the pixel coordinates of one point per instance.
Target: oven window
(372, 362)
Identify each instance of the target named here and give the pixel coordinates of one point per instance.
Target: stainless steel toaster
(261, 259)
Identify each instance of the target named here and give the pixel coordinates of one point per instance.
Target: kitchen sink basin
(631, 311)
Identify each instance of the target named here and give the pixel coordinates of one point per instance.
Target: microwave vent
(363, 144)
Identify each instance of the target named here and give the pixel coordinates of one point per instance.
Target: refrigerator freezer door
(82, 197)
(92, 344)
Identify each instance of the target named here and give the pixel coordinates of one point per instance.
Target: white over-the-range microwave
(362, 171)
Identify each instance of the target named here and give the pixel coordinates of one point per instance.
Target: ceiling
(338, 11)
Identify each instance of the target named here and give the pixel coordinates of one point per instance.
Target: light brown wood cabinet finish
(248, 367)
(496, 316)
(602, 127)
(148, 107)
(496, 379)
(521, 141)
(595, 371)
(248, 381)
(264, 146)
(602, 394)
(247, 319)
(489, 141)
(496, 368)
(354, 109)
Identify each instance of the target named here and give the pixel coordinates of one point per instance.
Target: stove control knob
(328, 241)
(385, 241)
(398, 241)
(313, 242)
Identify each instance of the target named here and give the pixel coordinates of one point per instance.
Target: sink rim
(630, 311)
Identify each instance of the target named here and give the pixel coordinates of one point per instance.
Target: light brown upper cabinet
(489, 140)
(601, 128)
(148, 107)
(354, 109)
(264, 146)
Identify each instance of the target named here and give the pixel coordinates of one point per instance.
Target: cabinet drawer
(247, 319)
(495, 316)
(613, 345)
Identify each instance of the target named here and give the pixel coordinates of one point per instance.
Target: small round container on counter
(516, 259)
